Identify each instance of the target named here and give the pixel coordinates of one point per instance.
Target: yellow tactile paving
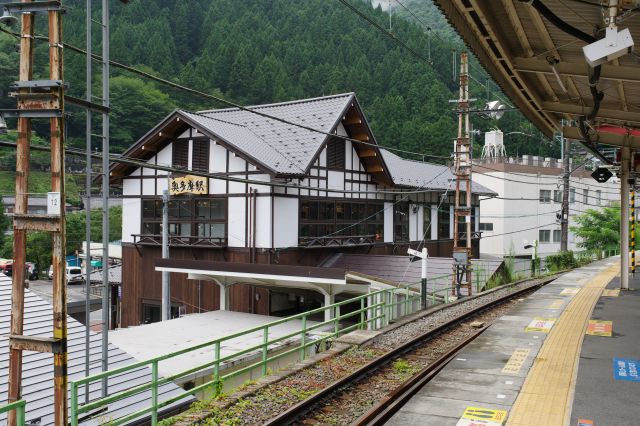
(547, 393)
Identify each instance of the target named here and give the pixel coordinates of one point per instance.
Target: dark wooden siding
(180, 153)
(200, 157)
(335, 154)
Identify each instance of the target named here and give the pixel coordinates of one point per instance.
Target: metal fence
(19, 406)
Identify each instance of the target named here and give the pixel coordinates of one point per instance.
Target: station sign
(188, 184)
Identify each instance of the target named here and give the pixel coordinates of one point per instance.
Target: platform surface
(523, 370)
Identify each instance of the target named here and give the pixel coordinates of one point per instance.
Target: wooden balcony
(179, 241)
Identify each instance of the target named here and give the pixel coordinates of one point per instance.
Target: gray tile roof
(400, 270)
(115, 274)
(281, 147)
(419, 174)
(37, 379)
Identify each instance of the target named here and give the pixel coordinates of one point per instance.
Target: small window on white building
(557, 235)
(545, 196)
(544, 236)
(585, 193)
(486, 226)
(557, 196)
(572, 195)
(598, 197)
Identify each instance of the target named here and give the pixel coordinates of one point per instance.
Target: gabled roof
(268, 143)
(418, 174)
(37, 376)
(288, 149)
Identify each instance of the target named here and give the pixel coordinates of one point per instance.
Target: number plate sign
(53, 203)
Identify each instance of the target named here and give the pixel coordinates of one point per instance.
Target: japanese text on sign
(188, 185)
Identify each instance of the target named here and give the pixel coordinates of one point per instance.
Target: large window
(557, 235)
(341, 218)
(188, 218)
(557, 196)
(444, 220)
(545, 196)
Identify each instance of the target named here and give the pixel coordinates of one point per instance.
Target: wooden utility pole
(462, 172)
(40, 99)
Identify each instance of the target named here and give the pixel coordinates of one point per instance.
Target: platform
(536, 365)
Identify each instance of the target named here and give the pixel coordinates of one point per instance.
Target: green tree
(4, 222)
(599, 229)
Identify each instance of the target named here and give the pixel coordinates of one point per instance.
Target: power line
(229, 103)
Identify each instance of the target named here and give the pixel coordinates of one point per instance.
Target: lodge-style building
(310, 196)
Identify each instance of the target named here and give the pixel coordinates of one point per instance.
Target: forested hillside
(258, 51)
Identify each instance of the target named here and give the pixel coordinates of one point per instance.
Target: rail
(19, 406)
(369, 311)
(179, 240)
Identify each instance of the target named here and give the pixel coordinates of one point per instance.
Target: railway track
(371, 394)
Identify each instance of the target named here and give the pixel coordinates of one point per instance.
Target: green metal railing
(369, 311)
(19, 406)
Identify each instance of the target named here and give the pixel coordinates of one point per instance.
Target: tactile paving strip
(547, 393)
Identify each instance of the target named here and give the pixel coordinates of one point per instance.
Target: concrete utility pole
(633, 229)
(166, 285)
(462, 172)
(624, 219)
(564, 218)
(39, 99)
(423, 256)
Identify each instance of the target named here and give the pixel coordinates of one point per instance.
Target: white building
(529, 201)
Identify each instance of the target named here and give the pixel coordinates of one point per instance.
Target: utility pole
(39, 99)
(105, 194)
(87, 270)
(462, 172)
(564, 217)
(624, 217)
(166, 285)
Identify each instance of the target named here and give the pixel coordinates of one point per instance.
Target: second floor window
(544, 235)
(200, 157)
(557, 235)
(545, 196)
(335, 153)
(180, 153)
(557, 196)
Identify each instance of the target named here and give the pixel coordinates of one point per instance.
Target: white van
(74, 274)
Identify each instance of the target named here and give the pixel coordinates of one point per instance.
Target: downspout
(253, 238)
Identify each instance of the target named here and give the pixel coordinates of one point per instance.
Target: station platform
(553, 359)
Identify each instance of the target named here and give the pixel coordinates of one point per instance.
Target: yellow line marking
(516, 360)
(547, 394)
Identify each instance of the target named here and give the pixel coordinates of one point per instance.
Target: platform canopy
(328, 281)
(533, 50)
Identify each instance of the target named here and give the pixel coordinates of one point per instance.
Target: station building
(277, 194)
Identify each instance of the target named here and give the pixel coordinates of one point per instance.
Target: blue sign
(626, 369)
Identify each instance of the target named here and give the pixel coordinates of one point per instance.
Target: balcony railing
(337, 241)
(179, 240)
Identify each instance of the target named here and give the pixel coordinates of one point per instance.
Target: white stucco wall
(285, 222)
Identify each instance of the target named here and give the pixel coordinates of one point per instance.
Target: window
(486, 226)
(200, 217)
(545, 196)
(335, 153)
(333, 218)
(444, 219)
(557, 196)
(200, 156)
(598, 197)
(401, 222)
(544, 235)
(572, 195)
(585, 194)
(557, 235)
(426, 222)
(152, 311)
(180, 153)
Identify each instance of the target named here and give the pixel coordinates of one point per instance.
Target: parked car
(30, 269)
(74, 274)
